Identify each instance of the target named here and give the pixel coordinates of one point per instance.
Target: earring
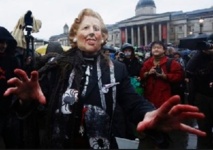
(75, 40)
(102, 41)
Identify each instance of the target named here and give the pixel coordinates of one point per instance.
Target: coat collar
(162, 61)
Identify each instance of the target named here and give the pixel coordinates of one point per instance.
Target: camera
(28, 20)
(204, 45)
(121, 55)
(158, 69)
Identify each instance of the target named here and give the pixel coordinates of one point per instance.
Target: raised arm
(26, 88)
(170, 116)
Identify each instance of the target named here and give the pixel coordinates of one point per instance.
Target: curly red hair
(77, 22)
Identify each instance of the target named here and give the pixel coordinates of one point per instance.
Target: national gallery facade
(147, 26)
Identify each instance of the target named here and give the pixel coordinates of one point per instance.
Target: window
(189, 28)
(180, 28)
(172, 30)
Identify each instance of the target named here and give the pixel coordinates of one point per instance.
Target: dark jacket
(133, 64)
(11, 42)
(200, 70)
(61, 131)
(7, 65)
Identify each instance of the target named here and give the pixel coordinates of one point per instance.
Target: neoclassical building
(62, 38)
(147, 26)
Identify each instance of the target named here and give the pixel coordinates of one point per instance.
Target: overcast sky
(55, 13)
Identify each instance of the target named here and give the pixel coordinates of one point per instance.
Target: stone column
(145, 35)
(153, 33)
(185, 30)
(160, 32)
(132, 36)
(126, 35)
(120, 37)
(168, 35)
(139, 36)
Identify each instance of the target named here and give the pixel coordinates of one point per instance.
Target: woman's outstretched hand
(26, 88)
(170, 116)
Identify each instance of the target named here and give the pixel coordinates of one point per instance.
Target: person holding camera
(119, 56)
(133, 66)
(132, 63)
(199, 70)
(157, 82)
(156, 77)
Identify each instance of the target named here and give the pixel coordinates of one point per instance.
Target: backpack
(177, 88)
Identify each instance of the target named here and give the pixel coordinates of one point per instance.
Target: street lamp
(201, 24)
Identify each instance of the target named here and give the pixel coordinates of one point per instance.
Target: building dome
(145, 7)
(145, 3)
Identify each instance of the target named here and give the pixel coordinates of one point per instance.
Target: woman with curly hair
(81, 90)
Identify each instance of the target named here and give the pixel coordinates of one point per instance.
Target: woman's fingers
(169, 104)
(192, 130)
(21, 74)
(148, 121)
(142, 126)
(190, 115)
(34, 76)
(24, 77)
(178, 109)
(10, 91)
(14, 81)
(42, 99)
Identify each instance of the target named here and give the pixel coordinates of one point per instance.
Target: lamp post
(201, 25)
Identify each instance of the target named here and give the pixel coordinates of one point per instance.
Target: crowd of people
(83, 98)
(167, 71)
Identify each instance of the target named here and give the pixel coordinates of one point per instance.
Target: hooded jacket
(133, 65)
(11, 42)
(7, 65)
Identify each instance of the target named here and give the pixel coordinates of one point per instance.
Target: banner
(164, 32)
(123, 37)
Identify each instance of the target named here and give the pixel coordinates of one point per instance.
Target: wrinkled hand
(26, 88)
(169, 116)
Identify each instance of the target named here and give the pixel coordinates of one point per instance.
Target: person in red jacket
(157, 81)
(155, 76)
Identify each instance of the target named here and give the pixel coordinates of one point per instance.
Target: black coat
(7, 65)
(133, 66)
(200, 69)
(54, 84)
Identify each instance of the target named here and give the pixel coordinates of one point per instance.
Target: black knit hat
(11, 42)
(127, 45)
